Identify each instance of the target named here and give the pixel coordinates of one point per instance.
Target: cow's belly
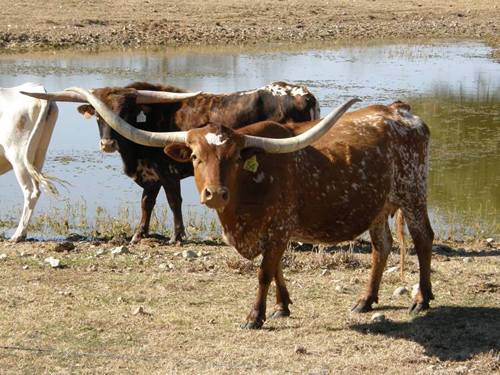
(338, 217)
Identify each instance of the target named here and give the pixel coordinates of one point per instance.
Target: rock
(414, 290)
(140, 311)
(25, 267)
(392, 269)
(401, 291)
(54, 262)
(188, 254)
(75, 237)
(3, 256)
(490, 240)
(120, 250)
(64, 246)
(340, 289)
(378, 318)
(100, 252)
(325, 272)
(299, 349)
(467, 260)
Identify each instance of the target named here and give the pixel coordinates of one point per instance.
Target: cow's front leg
(172, 186)
(281, 309)
(148, 202)
(267, 271)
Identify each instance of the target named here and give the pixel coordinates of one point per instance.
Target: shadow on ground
(447, 332)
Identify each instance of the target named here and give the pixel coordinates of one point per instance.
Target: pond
(454, 87)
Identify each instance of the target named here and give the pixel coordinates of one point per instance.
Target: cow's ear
(249, 152)
(86, 110)
(179, 152)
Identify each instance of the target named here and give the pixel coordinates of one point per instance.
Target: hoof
(361, 307)
(252, 325)
(175, 242)
(16, 239)
(136, 239)
(280, 314)
(419, 307)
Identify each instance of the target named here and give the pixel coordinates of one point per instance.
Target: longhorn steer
(374, 161)
(26, 126)
(151, 168)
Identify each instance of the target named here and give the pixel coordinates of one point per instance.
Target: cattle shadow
(447, 332)
(445, 250)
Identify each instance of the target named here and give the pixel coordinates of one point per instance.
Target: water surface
(454, 87)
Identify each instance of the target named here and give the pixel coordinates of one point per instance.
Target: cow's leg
(381, 237)
(421, 232)
(148, 201)
(267, 271)
(282, 297)
(172, 186)
(31, 193)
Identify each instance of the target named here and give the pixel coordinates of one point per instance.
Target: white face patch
(215, 139)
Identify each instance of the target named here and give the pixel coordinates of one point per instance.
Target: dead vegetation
(135, 23)
(156, 308)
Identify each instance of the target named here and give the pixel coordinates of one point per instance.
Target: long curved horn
(139, 136)
(61, 96)
(151, 97)
(285, 145)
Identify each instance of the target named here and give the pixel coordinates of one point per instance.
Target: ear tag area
(141, 117)
(251, 164)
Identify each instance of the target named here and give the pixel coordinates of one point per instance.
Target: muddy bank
(136, 23)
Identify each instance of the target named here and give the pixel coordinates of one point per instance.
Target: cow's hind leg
(381, 237)
(148, 202)
(282, 297)
(421, 232)
(31, 193)
(172, 187)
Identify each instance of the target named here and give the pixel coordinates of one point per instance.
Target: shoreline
(160, 24)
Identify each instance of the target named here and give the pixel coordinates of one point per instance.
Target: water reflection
(454, 87)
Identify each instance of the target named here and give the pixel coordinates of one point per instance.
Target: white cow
(26, 126)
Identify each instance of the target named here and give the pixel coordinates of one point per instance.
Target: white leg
(31, 193)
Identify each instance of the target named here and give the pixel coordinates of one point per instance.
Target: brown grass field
(84, 318)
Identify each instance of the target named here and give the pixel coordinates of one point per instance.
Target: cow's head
(126, 102)
(217, 152)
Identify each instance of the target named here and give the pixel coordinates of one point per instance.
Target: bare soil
(137, 23)
(153, 311)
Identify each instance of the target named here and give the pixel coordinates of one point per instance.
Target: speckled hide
(371, 163)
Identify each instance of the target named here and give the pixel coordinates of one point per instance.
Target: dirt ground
(154, 311)
(146, 23)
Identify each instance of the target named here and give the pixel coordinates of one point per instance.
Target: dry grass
(80, 318)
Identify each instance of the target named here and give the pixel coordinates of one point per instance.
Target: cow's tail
(46, 182)
(400, 234)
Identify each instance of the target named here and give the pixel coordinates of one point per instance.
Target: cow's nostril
(208, 193)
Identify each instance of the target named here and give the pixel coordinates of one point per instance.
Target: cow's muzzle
(215, 197)
(109, 145)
